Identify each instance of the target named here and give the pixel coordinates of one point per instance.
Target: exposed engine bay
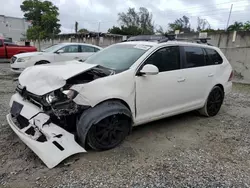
(59, 104)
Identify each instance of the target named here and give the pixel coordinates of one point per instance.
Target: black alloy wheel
(109, 132)
(214, 101)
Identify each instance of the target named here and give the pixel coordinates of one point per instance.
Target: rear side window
(87, 48)
(1, 43)
(194, 57)
(96, 49)
(213, 57)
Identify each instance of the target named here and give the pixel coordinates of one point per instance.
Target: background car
(53, 54)
(8, 49)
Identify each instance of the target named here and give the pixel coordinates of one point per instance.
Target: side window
(1, 43)
(97, 49)
(213, 57)
(166, 59)
(87, 49)
(194, 57)
(70, 49)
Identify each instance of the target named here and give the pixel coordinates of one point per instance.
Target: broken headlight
(51, 97)
(71, 94)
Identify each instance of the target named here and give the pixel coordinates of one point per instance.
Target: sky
(89, 13)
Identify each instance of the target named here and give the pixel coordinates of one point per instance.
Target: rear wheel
(213, 103)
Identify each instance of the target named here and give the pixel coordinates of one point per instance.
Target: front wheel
(104, 126)
(213, 103)
(109, 132)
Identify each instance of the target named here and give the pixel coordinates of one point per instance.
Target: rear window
(194, 57)
(213, 57)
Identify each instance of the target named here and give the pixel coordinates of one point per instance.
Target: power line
(211, 5)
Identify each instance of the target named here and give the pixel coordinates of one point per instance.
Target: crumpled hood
(42, 79)
(28, 54)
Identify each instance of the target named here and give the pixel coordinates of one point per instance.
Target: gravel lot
(183, 151)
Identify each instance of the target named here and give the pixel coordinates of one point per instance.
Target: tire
(42, 62)
(104, 126)
(213, 102)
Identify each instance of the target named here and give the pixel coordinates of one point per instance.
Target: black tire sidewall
(93, 143)
(94, 115)
(222, 94)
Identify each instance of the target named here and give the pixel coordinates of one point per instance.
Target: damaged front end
(47, 123)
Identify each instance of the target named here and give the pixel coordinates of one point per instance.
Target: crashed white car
(97, 102)
(54, 54)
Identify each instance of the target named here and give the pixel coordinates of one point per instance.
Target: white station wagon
(54, 54)
(58, 110)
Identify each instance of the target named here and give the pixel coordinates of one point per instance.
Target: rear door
(86, 51)
(199, 77)
(70, 52)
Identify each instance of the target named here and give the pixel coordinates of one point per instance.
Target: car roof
(170, 43)
(77, 43)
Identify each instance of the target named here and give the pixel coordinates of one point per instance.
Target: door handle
(181, 80)
(211, 75)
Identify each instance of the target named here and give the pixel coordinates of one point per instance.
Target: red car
(8, 49)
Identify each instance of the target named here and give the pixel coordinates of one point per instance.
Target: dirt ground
(183, 151)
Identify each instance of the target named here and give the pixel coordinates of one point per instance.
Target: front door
(160, 95)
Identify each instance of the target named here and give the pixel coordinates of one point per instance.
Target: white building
(13, 28)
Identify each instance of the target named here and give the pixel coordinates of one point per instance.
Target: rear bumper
(56, 145)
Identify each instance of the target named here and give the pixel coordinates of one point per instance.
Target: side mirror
(59, 51)
(149, 69)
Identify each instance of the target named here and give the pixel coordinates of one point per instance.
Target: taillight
(231, 76)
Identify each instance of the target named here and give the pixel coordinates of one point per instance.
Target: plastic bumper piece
(50, 142)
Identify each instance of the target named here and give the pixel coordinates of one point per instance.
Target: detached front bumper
(50, 142)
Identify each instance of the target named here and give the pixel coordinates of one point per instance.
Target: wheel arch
(97, 112)
(38, 62)
(118, 100)
(221, 86)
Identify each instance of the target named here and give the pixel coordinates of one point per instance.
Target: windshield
(52, 48)
(118, 57)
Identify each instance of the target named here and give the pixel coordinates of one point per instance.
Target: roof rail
(202, 40)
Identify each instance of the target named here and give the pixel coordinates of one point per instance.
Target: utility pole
(229, 16)
(98, 39)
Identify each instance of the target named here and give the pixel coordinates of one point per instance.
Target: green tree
(44, 17)
(246, 26)
(182, 24)
(130, 30)
(83, 30)
(202, 24)
(134, 23)
(237, 26)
